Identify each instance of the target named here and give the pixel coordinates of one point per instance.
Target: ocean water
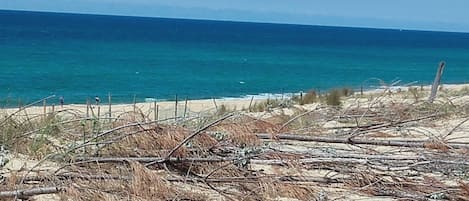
(81, 56)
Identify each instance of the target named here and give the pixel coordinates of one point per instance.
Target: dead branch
(82, 160)
(190, 137)
(30, 192)
(394, 143)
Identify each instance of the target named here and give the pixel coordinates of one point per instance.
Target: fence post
(250, 103)
(135, 103)
(436, 82)
(44, 103)
(87, 108)
(110, 105)
(185, 107)
(176, 108)
(215, 103)
(155, 114)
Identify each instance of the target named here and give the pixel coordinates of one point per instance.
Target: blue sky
(449, 15)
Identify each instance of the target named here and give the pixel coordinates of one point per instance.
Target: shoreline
(259, 96)
(166, 109)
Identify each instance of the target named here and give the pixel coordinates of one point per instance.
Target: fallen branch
(30, 192)
(249, 179)
(189, 138)
(81, 160)
(393, 143)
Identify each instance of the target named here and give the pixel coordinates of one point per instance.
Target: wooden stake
(301, 97)
(436, 82)
(250, 103)
(99, 110)
(87, 108)
(84, 138)
(135, 103)
(185, 107)
(176, 107)
(44, 103)
(155, 113)
(110, 105)
(53, 108)
(215, 103)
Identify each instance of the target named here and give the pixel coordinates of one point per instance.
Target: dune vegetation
(339, 145)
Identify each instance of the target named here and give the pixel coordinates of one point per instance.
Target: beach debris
(387, 146)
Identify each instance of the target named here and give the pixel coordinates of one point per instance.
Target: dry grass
(132, 135)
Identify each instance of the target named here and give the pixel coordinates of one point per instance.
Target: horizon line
(232, 21)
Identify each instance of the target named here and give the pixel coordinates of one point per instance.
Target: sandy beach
(394, 123)
(166, 109)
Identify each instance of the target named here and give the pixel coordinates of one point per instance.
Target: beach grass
(65, 141)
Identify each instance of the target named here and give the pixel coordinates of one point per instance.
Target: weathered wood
(44, 105)
(215, 103)
(88, 108)
(155, 111)
(250, 103)
(249, 179)
(110, 105)
(436, 82)
(149, 159)
(358, 159)
(393, 143)
(135, 103)
(195, 134)
(30, 192)
(185, 107)
(176, 107)
(254, 179)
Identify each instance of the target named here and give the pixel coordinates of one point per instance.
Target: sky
(437, 15)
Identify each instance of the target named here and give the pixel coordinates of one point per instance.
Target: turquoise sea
(81, 56)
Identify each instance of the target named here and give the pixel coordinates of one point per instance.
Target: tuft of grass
(334, 96)
(269, 104)
(223, 109)
(310, 97)
(331, 98)
(415, 93)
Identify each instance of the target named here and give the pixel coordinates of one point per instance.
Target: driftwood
(190, 137)
(155, 160)
(247, 179)
(30, 192)
(436, 82)
(394, 143)
(214, 160)
(349, 160)
(234, 161)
